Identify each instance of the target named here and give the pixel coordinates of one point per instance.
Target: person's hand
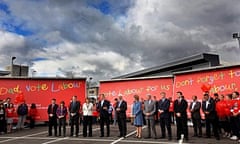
(206, 112)
(178, 114)
(118, 109)
(235, 114)
(51, 115)
(105, 108)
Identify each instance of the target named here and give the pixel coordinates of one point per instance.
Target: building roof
(177, 65)
(3, 73)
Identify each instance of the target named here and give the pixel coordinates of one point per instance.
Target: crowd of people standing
(221, 116)
(22, 112)
(152, 110)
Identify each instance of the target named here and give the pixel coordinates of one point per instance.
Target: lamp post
(13, 58)
(33, 71)
(237, 36)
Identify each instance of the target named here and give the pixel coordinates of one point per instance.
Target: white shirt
(87, 109)
(193, 105)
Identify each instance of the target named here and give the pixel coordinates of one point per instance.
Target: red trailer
(41, 90)
(140, 86)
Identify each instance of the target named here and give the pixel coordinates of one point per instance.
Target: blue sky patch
(103, 6)
(39, 59)
(4, 8)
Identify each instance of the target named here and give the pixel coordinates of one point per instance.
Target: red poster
(41, 91)
(221, 81)
(141, 87)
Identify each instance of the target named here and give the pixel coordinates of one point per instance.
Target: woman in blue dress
(137, 114)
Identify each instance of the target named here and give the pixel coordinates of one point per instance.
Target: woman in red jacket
(32, 115)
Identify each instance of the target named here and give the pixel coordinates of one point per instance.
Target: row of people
(8, 113)
(59, 113)
(140, 110)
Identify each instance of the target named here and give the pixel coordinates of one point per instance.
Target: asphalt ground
(38, 135)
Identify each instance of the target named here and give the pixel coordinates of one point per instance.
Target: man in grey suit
(195, 107)
(149, 110)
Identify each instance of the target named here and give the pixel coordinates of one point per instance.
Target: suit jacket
(164, 105)
(103, 112)
(74, 108)
(195, 111)
(149, 108)
(52, 110)
(123, 109)
(210, 107)
(181, 107)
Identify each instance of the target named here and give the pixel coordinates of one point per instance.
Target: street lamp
(237, 36)
(34, 71)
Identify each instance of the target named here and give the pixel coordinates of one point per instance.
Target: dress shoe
(147, 137)
(162, 137)
(194, 135)
(101, 136)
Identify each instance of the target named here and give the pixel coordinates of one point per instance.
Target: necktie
(52, 109)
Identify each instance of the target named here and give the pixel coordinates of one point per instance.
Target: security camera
(236, 35)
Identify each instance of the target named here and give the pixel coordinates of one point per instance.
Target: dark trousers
(235, 125)
(52, 123)
(214, 124)
(32, 122)
(62, 123)
(144, 119)
(182, 127)
(2, 125)
(74, 121)
(225, 124)
(172, 117)
(122, 125)
(87, 122)
(102, 121)
(166, 123)
(197, 126)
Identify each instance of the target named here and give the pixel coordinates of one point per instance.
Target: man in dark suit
(194, 108)
(149, 110)
(180, 109)
(208, 108)
(165, 121)
(74, 115)
(52, 117)
(121, 108)
(103, 107)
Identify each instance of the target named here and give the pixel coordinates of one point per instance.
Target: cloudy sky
(107, 38)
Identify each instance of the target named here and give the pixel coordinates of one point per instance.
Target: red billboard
(129, 87)
(41, 91)
(221, 81)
